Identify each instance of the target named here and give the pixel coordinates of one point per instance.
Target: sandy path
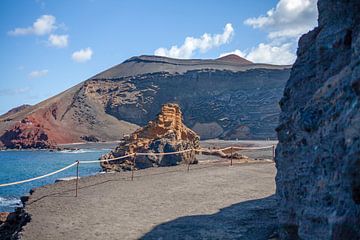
(209, 202)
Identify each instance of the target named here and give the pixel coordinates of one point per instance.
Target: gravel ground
(211, 201)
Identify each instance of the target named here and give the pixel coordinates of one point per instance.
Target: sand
(211, 201)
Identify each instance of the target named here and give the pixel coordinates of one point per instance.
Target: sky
(48, 46)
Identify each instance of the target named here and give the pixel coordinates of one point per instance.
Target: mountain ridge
(118, 100)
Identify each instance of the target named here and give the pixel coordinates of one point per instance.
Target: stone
(166, 133)
(90, 138)
(3, 217)
(12, 223)
(318, 155)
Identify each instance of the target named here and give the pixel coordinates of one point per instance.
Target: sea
(17, 165)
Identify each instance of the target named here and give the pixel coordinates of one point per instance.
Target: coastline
(112, 144)
(69, 146)
(204, 160)
(59, 198)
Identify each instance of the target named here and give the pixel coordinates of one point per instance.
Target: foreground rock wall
(318, 155)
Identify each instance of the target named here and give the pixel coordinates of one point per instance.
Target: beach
(211, 201)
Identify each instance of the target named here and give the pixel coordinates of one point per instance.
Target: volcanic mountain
(235, 59)
(227, 98)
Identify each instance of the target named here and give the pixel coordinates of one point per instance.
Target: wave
(79, 151)
(10, 202)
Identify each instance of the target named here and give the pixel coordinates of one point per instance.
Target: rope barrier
(39, 177)
(253, 148)
(138, 154)
(130, 155)
(108, 160)
(165, 153)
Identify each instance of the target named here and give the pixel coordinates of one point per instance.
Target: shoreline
(86, 145)
(178, 170)
(204, 159)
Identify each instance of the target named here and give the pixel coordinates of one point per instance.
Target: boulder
(165, 134)
(3, 217)
(318, 155)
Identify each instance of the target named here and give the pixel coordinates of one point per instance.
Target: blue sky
(48, 46)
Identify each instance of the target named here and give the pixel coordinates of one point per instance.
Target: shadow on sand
(254, 219)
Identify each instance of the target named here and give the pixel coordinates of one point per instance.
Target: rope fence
(77, 163)
(39, 177)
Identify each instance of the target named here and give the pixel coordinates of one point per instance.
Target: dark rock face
(165, 134)
(90, 138)
(216, 104)
(318, 156)
(12, 223)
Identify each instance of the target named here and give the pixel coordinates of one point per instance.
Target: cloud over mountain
(289, 19)
(191, 44)
(284, 24)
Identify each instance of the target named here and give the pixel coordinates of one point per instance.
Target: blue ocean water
(20, 165)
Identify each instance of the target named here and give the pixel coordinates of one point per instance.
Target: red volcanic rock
(234, 58)
(26, 134)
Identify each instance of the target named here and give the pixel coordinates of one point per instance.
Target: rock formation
(27, 134)
(318, 155)
(166, 133)
(227, 98)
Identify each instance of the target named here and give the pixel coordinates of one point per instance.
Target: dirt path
(209, 202)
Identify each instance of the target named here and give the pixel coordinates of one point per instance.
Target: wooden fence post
(273, 152)
(188, 164)
(77, 178)
(132, 168)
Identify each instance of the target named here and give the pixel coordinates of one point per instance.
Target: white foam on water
(11, 202)
(79, 151)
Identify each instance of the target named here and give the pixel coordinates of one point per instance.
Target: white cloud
(203, 44)
(82, 55)
(267, 53)
(59, 41)
(43, 25)
(290, 18)
(38, 73)
(284, 24)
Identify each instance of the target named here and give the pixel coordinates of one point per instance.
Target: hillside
(227, 98)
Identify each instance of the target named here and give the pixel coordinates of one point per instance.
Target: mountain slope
(220, 98)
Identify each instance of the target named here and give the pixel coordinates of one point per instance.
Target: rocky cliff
(318, 156)
(227, 98)
(166, 133)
